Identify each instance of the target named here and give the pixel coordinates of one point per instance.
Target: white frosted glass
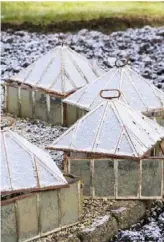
(134, 126)
(5, 179)
(124, 147)
(58, 85)
(65, 140)
(73, 71)
(39, 67)
(68, 86)
(139, 147)
(84, 66)
(21, 165)
(92, 92)
(75, 97)
(131, 94)
(87, 130)
(42, 156)
(51, 72)
(110, 132)
(160, 95)
(23, 73)
(46, 178)
(145, 90)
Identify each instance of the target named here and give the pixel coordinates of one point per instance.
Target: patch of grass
(44, 13)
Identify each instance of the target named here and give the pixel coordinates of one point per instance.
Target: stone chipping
(145, 48)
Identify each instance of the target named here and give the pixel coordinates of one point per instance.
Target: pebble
(150, 229)
(145, 48)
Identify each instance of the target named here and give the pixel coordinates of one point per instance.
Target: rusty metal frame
(40, 234)
(67, 167)
(109, 90)
(48, 188)
(33, 90)
(11, 200)
(162, 178)
(17, 83)
(93, 153)
(34, 189)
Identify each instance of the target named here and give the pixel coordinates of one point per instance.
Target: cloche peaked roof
(112, 128)
(25, 166)
(60, 71)
(136, 91)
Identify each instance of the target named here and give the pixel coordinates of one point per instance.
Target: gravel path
(145, 47)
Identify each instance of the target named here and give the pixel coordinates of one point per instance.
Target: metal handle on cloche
(110, 90)
(125, 61)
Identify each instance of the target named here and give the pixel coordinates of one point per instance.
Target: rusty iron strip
(91, 177)
(94, 153)
(162, 148)
(65, 116)
(38, 209)
(62, 113)
(99, 128)
(115, 178)
(49, 188)
(36, 171)
(12, 200)
(139, 179)
(19, 101)
(59, 208)
(17, 216)
(39, 88)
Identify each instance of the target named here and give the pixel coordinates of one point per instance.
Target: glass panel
(49, 210)
(128, 178)
(41, 106)
(28, 218)
(69, 204)
(55, 110)
(71, 114)
(103, 178)
(82, 168)
(26, 103)
(12, 99)
(151, 177)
